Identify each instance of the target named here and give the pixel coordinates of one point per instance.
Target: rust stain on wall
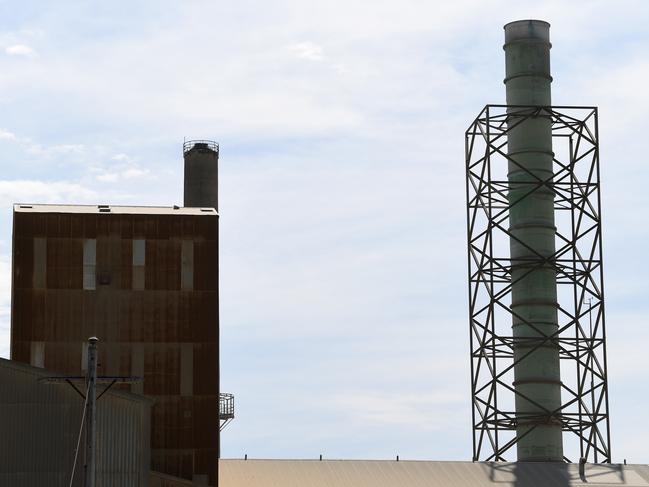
(157, 321)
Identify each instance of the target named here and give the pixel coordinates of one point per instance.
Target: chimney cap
(527, 30)
(526, 21)
(200, 146)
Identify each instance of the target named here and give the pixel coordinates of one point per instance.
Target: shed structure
(39, 428)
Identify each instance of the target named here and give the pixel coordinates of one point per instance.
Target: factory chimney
(201, 173)
(532, 242)
(201, 189)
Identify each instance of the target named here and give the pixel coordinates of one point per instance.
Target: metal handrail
(209, 144)
(226, 405)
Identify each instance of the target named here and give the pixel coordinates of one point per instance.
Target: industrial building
(145, 280)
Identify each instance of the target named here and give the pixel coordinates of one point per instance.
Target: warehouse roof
(108, 209)
(377, 473)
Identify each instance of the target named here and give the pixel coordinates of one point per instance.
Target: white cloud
(122, 158)
(34, 191)
(5, 135)
(134, 172)
(53, 150)
(420, 409)
(307, 50)
(120, 172)
(107, 177)
(20, 50)
(42, 151)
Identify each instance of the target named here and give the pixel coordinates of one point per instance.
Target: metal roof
(381, 473)
(108, 209)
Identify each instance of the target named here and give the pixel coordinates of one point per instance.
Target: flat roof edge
(112, 209)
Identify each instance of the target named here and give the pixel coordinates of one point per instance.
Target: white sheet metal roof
(108, 209)
(364, 473)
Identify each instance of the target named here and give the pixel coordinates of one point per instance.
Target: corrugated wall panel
(40, 423)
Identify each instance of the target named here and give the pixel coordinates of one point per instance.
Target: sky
(344, 322)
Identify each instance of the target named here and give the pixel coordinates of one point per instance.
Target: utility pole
(91, 414)
(89, 420)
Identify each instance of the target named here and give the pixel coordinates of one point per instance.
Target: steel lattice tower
(577, 261)
(536, 300)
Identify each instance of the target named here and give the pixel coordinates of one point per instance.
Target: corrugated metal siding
(39, 424)
(357, 473)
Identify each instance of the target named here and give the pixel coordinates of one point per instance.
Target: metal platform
(226, 410)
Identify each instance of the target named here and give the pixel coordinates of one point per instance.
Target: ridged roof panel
(368, 473)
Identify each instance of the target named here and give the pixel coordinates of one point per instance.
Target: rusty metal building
(39, 427)
(144, 280)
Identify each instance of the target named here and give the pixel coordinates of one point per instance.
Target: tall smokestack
(532, 228)
(201, 188)
(201, 173)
